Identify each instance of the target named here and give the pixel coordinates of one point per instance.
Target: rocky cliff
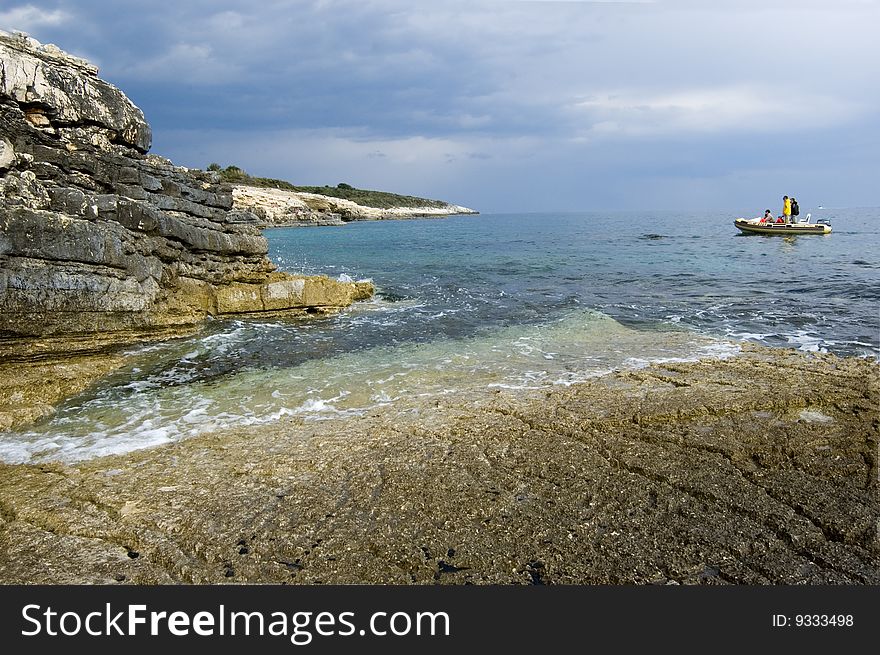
(282, 208)
(101, 243)
(96, 235)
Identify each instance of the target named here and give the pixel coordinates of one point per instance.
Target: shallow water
(474, 303)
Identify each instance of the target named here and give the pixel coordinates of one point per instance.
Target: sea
(471, 305)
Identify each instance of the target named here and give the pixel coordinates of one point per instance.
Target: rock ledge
(102, 243)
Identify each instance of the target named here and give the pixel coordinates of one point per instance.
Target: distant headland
(278, 203)
(103, 244)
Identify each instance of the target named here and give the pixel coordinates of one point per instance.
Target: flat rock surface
(760, 469)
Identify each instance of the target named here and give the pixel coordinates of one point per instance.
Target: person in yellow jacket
(786, 209)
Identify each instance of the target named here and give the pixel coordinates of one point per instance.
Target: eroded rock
(282, 208)
(96, 236)
(723, 479)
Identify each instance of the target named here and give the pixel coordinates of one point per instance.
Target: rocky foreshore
(102, 244)
(761, 469)
(282, 208)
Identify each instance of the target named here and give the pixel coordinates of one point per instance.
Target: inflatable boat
(760, 226)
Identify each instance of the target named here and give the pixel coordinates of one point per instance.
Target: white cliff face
(278, 207)
(56, 90)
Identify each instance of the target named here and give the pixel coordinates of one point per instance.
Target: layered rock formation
(102, 243)
(281, 208)
(97, 236)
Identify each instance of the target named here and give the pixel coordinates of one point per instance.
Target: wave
(176, 403)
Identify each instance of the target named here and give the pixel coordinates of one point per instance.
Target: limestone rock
(97, 235)
(279, 208)
(99, 238)
(282, 208)
(55, 89)
(720, 481)
(7, 155)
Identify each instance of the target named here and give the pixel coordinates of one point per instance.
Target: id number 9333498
(813, 620)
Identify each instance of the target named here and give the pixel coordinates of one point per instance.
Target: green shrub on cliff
(366, 198)
(378, 199)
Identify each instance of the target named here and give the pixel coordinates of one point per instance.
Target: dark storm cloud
(503, 105)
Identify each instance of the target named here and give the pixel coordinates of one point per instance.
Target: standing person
(786, 209)
(795, 210)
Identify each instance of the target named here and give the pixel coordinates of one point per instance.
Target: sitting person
(780, 219)
(767, 217)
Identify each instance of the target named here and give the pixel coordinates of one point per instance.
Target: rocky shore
(761, 469)
(102, 244)
(281, 208)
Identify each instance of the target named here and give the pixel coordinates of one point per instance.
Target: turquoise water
(818, 292)
(471, 304)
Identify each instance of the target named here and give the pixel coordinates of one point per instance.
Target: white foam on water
(316, 405)
(807, 342)
(523, 358)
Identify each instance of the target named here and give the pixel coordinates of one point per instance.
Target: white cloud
(185, 62)
(438, 167)
(226, 21)
(709, 110)
(27, 18)
(493, 96)
(607, 2)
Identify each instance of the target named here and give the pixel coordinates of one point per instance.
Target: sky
(503, 105)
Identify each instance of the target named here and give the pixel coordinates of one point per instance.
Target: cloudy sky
(503, 105)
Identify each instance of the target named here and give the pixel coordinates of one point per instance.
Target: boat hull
(753, 227)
